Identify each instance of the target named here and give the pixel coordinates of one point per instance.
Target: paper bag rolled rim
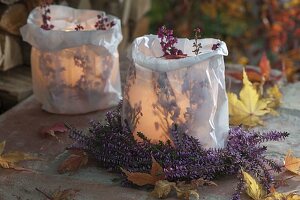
(63, 17)
(146, 51)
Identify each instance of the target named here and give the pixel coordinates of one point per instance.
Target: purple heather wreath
(112, 144)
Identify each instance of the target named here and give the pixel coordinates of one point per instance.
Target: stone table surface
(21, 125)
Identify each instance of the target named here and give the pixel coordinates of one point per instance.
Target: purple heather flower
(215, 46)
(103, 23)
(167, 41)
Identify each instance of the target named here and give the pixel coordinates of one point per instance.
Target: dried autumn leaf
(292, 163)
(274, 195)
(293, 196)
(249, 108)
(73, 163)
(253, 188)
(9, 160)
(265, 67)
(162, 188)
(141, 179)
(186, 194)
(53, 130)
(252, 74)
(288, 69)
(67, 194)
(200, 182)
(275, 95)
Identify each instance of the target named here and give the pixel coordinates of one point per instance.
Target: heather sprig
(113, 145)
(167, 42)
(215, 46)
(103, 23)
(197, 45)
(45, 7)
(79, 27)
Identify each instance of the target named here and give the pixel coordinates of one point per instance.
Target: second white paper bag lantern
(188, 91)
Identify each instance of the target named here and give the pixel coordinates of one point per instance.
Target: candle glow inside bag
(188, 91)
(74, 71)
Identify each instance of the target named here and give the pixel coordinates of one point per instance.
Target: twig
(46, 195)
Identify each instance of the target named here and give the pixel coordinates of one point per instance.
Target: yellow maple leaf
(141, 179)
(253, 188)
(292, 163)
(250, 107)
(8, 160)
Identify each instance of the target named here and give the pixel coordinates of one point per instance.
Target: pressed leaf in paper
(253, 188)
(9, 160)
(250, 107)
(292, 163)
(74, 162)
(141, 179)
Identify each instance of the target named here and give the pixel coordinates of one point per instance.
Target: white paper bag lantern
(188, 91)
(74, 71)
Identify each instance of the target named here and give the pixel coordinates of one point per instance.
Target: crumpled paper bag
(74, 71)
(188, 91)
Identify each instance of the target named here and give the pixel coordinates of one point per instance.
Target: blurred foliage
(249, 27)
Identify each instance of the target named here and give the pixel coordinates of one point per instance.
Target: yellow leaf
(9, 160)
(274, 195)
(253, 188)
(141, 179)
(293, 196)
(275, 95)
(162, 188)
(292, 163)
(250, 107)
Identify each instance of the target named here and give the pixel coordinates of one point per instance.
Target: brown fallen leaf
(9, 160)
(200, 182)
(282, 181)
(139, 178)
(74, 162)
(184, 191)
(53, 130)
(67, 194)
(162, 189)
(292, 163)
(264, 65)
